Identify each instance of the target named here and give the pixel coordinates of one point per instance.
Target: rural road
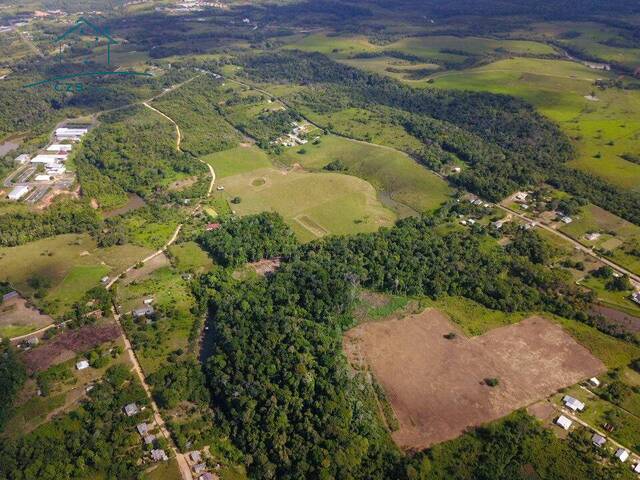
(620, 269)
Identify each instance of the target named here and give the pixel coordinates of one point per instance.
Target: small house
(521, 196)
(148, 301)
(33, 341)
(158, 455)
(22, 159)
(636, 468)
(145, 311)
(598, 440)
(131, 409)
(471, 221)
(104, 280)
(199, 468)
(195, 456)
(622, 454)
(207, 476)
(142, 428)
(563, 422)
(149, 439)
(636, 297)
(592, 236)
(573, 403)
(594, 382)
(456, 169)
(565, 219)
(497, 224)
(82, 364)
(212, 226)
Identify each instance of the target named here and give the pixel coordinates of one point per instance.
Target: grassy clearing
(617, 300)
(189, 256)
(618, 238)
(614, 353)
(603, 130)
(390, 171)
(314, 204)
(163, 471)
(473, 318)
(80, 279)
(237, 160)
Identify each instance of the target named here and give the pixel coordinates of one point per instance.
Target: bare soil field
(67, 344)
(266, 266)
(436, 386)
(16, 313)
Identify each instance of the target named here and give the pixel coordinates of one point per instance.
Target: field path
(178, 134)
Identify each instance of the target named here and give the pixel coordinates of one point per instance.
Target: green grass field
(314, 204)
(189, 256)
(603, 130)
(617, 300)
(390, 171)
(74, 285)
(237, 160)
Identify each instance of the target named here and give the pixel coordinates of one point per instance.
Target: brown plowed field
(66, 345)
(436, 386)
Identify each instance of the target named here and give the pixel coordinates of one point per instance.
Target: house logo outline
(98, 32)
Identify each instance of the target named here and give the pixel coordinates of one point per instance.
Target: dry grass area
(436, 385)
(16, 313)
(138, 274)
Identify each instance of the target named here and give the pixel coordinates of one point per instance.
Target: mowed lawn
(603, 129)
(388, 170)
(237, 160)
(314, 204)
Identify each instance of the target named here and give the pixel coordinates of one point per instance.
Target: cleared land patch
(312, 203)
(237, 160)
(436, 385)
(18, 318)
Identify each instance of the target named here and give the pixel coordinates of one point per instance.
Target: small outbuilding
(594, 382)
(82, 364)
(195, 456)
(149, 439)
(142, 428)
(145, 311)
(636, 468)
(199, 468)
(622, 454)
(563, 422)
(207, 476)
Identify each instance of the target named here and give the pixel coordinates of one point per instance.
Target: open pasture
(604, 128)
(436, 386)
(395, 174)
(19, 318)
(242, 159)
(314, 204)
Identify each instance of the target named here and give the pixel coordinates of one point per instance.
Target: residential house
(158, 455)
(10, 296)
(594, 382)
(195, 456)
(208, 476)
(573, 403)
(131, 409)
(142, 428)
(199, 468)
(598, 440)
(22, 159)
(636, 468)
(18, 192)
(145, 311)
(149, 439)
(622, 454)
(636, 297)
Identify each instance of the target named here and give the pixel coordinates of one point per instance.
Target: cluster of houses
(294, 137)
(575, 405)
(199, 467)
(144, 429)
(187, 6)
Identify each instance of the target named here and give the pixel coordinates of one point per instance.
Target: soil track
(436, 386)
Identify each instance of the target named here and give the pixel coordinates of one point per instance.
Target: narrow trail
(178, 134)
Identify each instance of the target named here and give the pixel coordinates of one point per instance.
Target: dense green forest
(12, 376)
(275, 371)
(249, 239)
(508, 144)
(66, 216)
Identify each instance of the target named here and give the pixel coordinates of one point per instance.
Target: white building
(594, 382)
(59, 147)
(18, 192)
(636, 469)
(636, 297)
(563, 422)
(82, 364)
(43, 178)
(53, 158)
(521, 196)
(65, 133)
(622, 454)
(573, 403)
